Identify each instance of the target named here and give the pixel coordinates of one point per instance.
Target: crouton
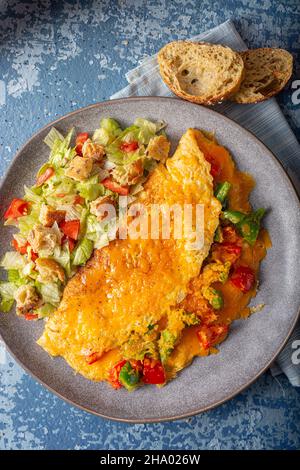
(93, 150)
(79, 168)
(44, 239)
(49, 215)
(49, 270)
(158, 148)
(27, 298)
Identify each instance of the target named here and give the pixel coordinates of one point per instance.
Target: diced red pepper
(92, 358)
(243, 278)
(226, 252)
(16, 209)
(210, 335)
(153, 372)
(215, 168)
(33, 255)
(129, 146)
(23, 249)
(70, 241)
(79, 199)
(45, 176)
(31, 316)
(80, 139)
(70, 228)
(20, 248)
(71, 244)
(114, 373)
(115, 187)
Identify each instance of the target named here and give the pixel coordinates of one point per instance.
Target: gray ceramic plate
(252, 344)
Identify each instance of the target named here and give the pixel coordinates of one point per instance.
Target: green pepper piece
(233, 216)
(222, 191)
(214, 297)
(129, 377)
(217, 300)
(218, 235)
(249, 226)
(166, 344)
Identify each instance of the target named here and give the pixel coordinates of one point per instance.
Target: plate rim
(284, 174)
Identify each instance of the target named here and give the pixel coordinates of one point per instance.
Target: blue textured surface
(59, 56)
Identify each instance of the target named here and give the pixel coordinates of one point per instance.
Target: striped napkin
(265, 120)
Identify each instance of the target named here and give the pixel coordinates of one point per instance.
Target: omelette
(135, 309)
(115, 306)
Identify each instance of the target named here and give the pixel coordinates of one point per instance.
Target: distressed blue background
(56, 56)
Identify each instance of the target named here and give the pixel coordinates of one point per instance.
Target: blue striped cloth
(265, 120)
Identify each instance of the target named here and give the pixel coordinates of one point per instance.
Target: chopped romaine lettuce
(52, 137)
(45, 310)
(90, 189)
(7, 290)
(13, 260)
(27, 222)
(51, 293)
(34, 195)
(13, 276)
(62, 255)
(83, 252)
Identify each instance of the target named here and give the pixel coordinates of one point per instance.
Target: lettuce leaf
(51, 293)
(83, 252)
(90, 189)
(45, 310)
(13, 260)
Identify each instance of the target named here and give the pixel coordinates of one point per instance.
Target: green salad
(59, 219)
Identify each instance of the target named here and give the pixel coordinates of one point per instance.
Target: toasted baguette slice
(200, 72)
(267, 71)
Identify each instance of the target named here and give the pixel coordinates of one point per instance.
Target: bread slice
(200, 72)
(267, 71)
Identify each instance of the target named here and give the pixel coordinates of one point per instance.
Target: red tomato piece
(128, 147)
(70, 241)
(30, 316)
(115, 187)
(79, 200)
(20, 248)
(215, 168)
(71, 244)
(211, 335)
(113, 375)
(153, 372)
(243, 278)
(33, 255)
(70, 228)
(45, 176)
(80, 139)
(16, 209)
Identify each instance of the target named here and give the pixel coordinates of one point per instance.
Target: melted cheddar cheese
(131, 284)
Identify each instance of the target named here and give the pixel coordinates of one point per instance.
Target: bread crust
(277, 79)
(169, 76)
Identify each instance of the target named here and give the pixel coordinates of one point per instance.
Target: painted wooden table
(57, 56)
